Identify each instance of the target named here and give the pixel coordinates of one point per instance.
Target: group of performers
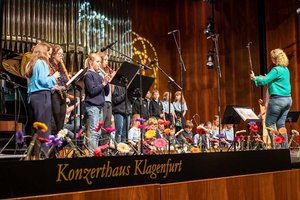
(136, 121)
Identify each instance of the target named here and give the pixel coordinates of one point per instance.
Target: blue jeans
(277, 111)
(94, 115)
(120, 123)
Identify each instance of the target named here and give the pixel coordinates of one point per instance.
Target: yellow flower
(123, 148)
(40, 126)
(150, 134)
(195, 150)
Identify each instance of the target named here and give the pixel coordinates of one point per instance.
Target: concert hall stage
(53, 176)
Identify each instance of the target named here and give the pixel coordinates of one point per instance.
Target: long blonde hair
(279, 57)
(40, 52)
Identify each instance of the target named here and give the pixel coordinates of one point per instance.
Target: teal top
(278, 81)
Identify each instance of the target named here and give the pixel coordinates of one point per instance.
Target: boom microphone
(174, 31)
(108, 46)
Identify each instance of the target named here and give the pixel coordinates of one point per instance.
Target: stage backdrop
(267, 24)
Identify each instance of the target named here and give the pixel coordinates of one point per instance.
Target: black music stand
(123, 78)
(292, 117)
(134, 87)
(230, 116)
(125, 74)
(73, 82)
(135, 91)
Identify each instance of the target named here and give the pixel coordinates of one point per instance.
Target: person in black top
(155, 106)
(144, 111)
(96, 88)
(121, 112)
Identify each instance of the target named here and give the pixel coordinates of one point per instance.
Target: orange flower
(40, 126)
(195, 150)
(282, 130)
(167, 131)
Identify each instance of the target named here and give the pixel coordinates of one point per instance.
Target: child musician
(96, 88)
(39, 95)
(58, 98)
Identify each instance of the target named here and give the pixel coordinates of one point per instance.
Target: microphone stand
(170, 81)
(141, 66)
(215, 38)
(182, 68)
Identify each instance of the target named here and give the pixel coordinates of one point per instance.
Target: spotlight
(209, 29)
(210, 59)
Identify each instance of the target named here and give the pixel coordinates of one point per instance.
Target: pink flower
(143, 127)
(79, 133)
(109, 129)
(100, 124)
(98, 152)
(104, 146)
(160, 143)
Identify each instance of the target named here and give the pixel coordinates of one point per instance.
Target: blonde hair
(90, 58)
(279, 57)
(152, 121)
(40, 51)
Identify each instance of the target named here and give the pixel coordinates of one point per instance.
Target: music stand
(136, 89)
(133, 88)
(230, 116)
(123, 77)
(292, 117)
(73, 82)
(125, 74)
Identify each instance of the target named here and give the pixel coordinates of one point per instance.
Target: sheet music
(75, 76)
(246, 114)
